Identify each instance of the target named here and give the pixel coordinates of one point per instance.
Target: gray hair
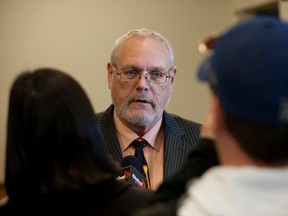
(142, 33)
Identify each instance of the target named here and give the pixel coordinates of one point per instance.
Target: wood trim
(266, 8)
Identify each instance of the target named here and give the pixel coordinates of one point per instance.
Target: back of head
(248, 72)
(142, 33)
(53, 141)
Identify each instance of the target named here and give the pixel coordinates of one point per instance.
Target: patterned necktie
(139, 144)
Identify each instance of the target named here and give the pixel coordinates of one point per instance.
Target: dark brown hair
(53, 142)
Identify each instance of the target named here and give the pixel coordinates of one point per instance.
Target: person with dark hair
(55, 160)
(248, 75)
(141, 77)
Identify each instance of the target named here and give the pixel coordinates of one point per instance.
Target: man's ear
(217, 115)
(172, 79)
(109, 74)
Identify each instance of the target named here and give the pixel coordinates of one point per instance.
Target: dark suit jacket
(181, 136)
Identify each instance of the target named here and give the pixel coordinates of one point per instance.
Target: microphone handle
(145, 168)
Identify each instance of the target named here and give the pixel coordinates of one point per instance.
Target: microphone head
(132, 172)
(133, 161)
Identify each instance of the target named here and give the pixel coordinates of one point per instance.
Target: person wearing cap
(248, 76)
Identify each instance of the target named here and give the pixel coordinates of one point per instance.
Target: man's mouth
(140, 101)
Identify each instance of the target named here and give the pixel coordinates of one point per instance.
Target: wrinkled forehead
(143, 51)
(140, 39)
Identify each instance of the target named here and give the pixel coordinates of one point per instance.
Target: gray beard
(142, 120)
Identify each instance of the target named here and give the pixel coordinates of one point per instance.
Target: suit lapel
(109, 134)
(174, 147)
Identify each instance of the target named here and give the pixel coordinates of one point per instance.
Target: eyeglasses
(133, 75)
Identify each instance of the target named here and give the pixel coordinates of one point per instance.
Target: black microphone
(132, 172)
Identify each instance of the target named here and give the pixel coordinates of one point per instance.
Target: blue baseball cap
(248, 70)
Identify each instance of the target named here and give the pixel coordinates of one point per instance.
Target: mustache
(141, 98)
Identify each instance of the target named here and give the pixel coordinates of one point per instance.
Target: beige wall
(283, 6)
(77, 35)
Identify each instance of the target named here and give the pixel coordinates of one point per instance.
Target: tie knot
(139, 143)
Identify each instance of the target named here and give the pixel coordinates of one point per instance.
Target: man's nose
(142, 81)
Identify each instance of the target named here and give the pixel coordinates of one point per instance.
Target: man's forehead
(138, 53)
(142, 43)
(141, 67)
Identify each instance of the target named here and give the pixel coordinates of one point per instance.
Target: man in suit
(141, 76)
